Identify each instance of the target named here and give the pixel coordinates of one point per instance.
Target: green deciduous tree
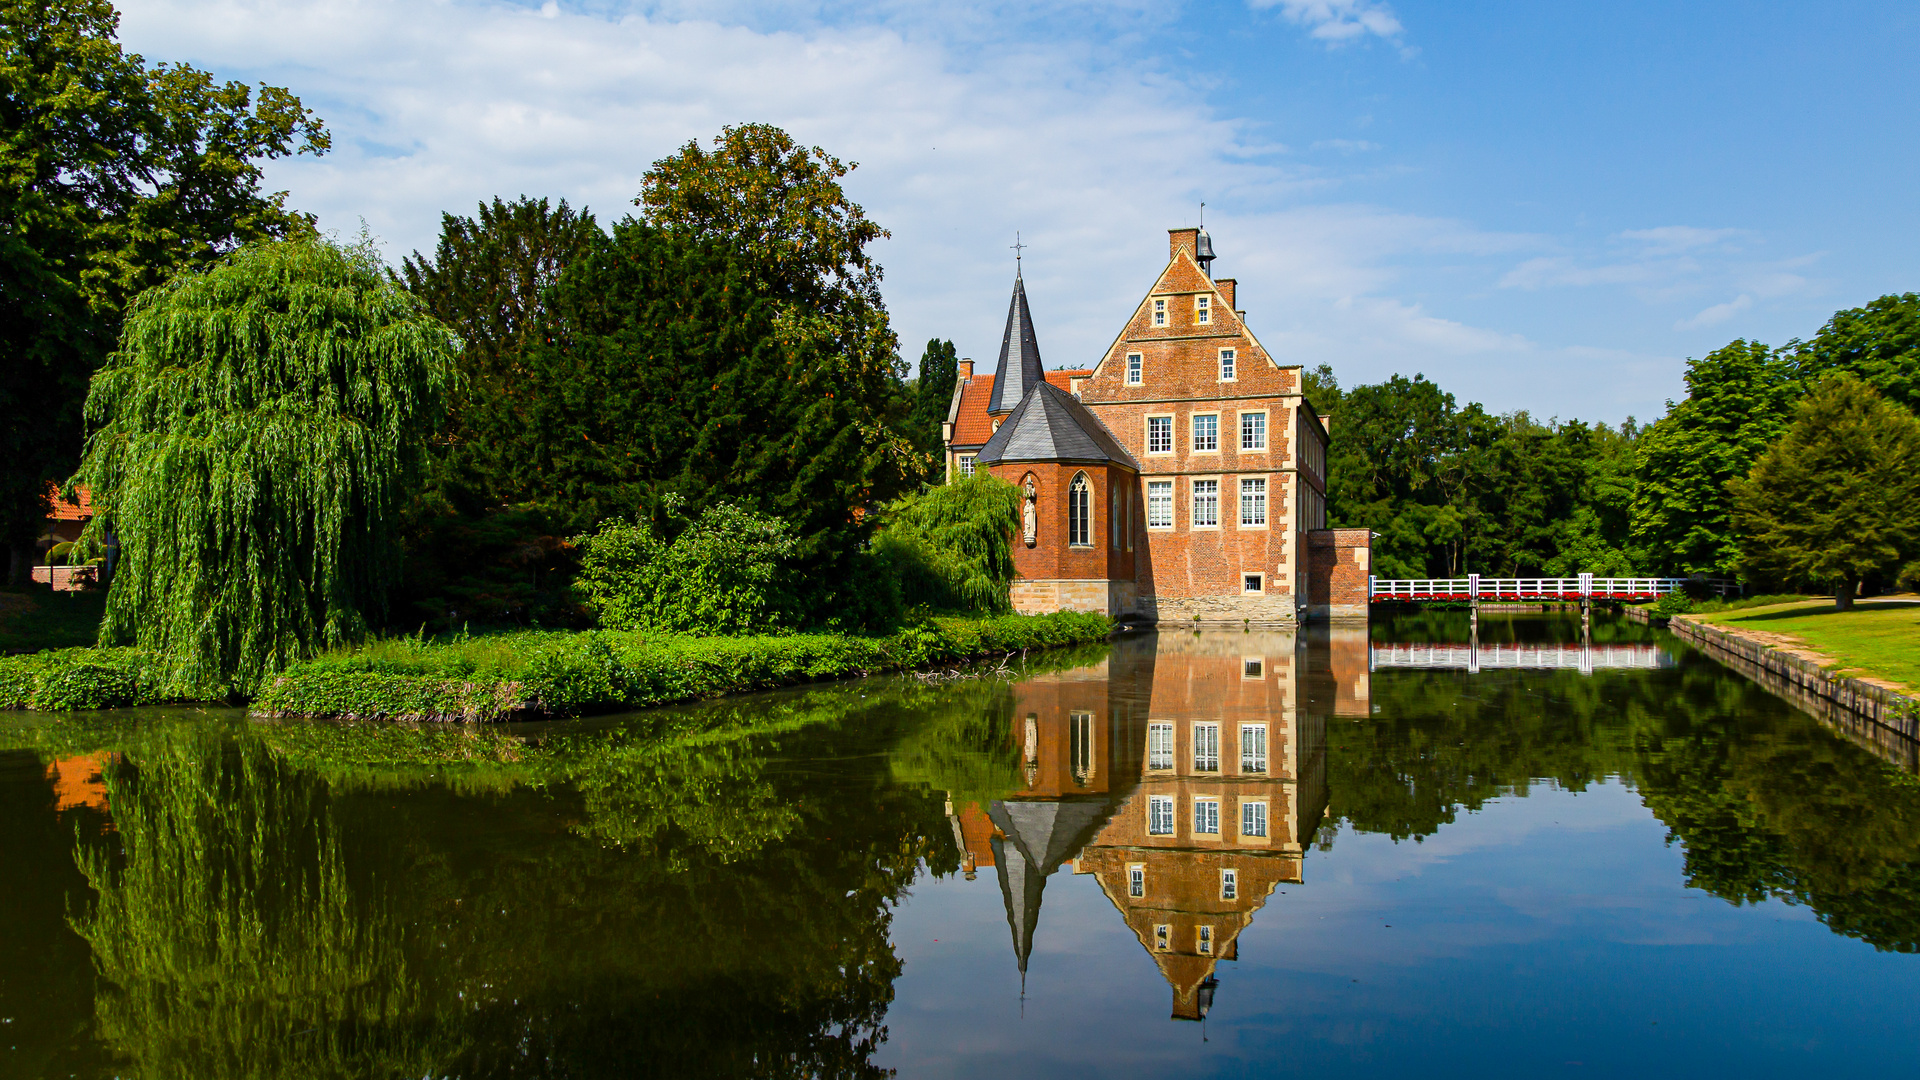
(1738, 401)
(1880, 343)
(1837, 499)
(251, 443)
(113, 174)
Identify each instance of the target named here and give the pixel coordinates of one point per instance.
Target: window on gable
(1253, 431)
(1136, 881)
(1202, 310)
(1159, 504)
(1229, 884)
(1159, 313)
(1080, 511)
(1163, 937)
(1203, 941)
(1253, 500)
(1227, 359)
(1159, 434)
(1206, 504)
(1133, 369)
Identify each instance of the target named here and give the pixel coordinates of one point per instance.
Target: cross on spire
(1017, 245)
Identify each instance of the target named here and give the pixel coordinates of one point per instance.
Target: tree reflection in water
(711, 889)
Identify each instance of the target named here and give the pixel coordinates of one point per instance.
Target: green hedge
(601, 670)
(59, 680)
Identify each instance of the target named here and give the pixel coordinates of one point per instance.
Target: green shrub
(60, 554)
(728, 572)
(62, 680)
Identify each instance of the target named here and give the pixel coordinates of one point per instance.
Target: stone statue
(1027, 515)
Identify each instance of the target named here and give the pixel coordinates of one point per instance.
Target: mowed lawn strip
(1876, 638)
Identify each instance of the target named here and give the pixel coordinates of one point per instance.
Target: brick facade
(1339, 573)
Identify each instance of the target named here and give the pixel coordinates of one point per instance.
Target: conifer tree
(251, 442)
(1837, 498)
(933, 392)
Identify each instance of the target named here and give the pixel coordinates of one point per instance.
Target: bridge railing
(1582, 587)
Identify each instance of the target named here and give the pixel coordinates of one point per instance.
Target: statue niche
(1029, 518)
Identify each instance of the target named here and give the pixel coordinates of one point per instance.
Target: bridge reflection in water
(1471, 656)
(1186, 773)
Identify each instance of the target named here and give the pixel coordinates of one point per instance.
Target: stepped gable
(1050, 424)
(1020, 369)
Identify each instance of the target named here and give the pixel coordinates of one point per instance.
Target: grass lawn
(35, 617)
(1875, 638)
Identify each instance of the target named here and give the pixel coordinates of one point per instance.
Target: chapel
(1179, 477)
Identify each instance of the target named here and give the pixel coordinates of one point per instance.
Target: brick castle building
(1180, 478)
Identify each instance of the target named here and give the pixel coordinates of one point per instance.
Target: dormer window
(1159, 313)
(1202, 310)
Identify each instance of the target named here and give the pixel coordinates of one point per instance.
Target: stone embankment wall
(1872, 713)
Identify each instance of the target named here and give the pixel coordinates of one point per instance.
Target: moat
(1341, 853)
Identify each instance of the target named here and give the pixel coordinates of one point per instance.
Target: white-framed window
(1252, 667)
(1159, 434)
(1159, 504)
(1206, 748)
(1253, 431)
(1206, 433)
(1206, 817)
(1160, 815)
(1206, 504)
(1253, 748)
(1253, 817)
(1253, 584)
(1203, 941)
(1159, 746)
(1079, 511)
(1229, 884)
(1136, 880)
(965, 464)
(1202, 310)
(1163, 937)
(1253, 501)
(1228, 361)
(1134, 362)
(1159, 313)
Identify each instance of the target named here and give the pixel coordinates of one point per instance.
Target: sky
(1546, 207)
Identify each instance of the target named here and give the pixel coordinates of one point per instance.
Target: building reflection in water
(1186, 773)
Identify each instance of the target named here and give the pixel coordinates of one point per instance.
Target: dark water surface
(1209, 855)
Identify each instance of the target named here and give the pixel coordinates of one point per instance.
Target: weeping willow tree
(250, 445)
(951, 546)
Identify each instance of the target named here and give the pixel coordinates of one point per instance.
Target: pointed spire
(1020, 369)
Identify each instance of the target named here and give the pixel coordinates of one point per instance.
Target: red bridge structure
(1474, 588)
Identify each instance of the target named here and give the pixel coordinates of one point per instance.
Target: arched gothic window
(1079, 511)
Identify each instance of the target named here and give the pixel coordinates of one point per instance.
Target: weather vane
(1203, 215)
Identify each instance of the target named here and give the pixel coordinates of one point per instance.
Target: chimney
(1181, 238)
(1225, 285)
(966, 369)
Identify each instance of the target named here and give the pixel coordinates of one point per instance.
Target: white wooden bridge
(1474, 588)
(1466, 656)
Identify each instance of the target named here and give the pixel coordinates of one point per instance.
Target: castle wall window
(1253, 431)
(1159, 504)
(1253, 501)
(1159, 746)
(1206, 748)
(1206, 504)
(1228, 359)
(1080, 511)
(1206, 433)
(1253, 584)
(1206, 817)
(1134, 361)
(1229, 885)
(1136, 880)
(1159, 434)
(1202, 310)
(1253, 748)
(1159, 313)
(1253, 818)
(1160, 815)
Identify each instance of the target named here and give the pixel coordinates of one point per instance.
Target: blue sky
(1540, 206)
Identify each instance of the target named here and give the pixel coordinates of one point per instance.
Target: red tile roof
(971, 427)
(66, 511)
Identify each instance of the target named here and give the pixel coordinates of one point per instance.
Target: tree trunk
(1843, 600)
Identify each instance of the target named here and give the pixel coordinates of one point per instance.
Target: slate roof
(1020, 369)
(1038, 838)
(972, 426)
(1050, 424)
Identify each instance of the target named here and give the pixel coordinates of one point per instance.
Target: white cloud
(1716, 314)
(1339, 20)
(1673, 239)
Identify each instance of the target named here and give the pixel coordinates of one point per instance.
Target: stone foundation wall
(1265, 612)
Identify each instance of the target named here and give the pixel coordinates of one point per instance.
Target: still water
(1216, 854)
